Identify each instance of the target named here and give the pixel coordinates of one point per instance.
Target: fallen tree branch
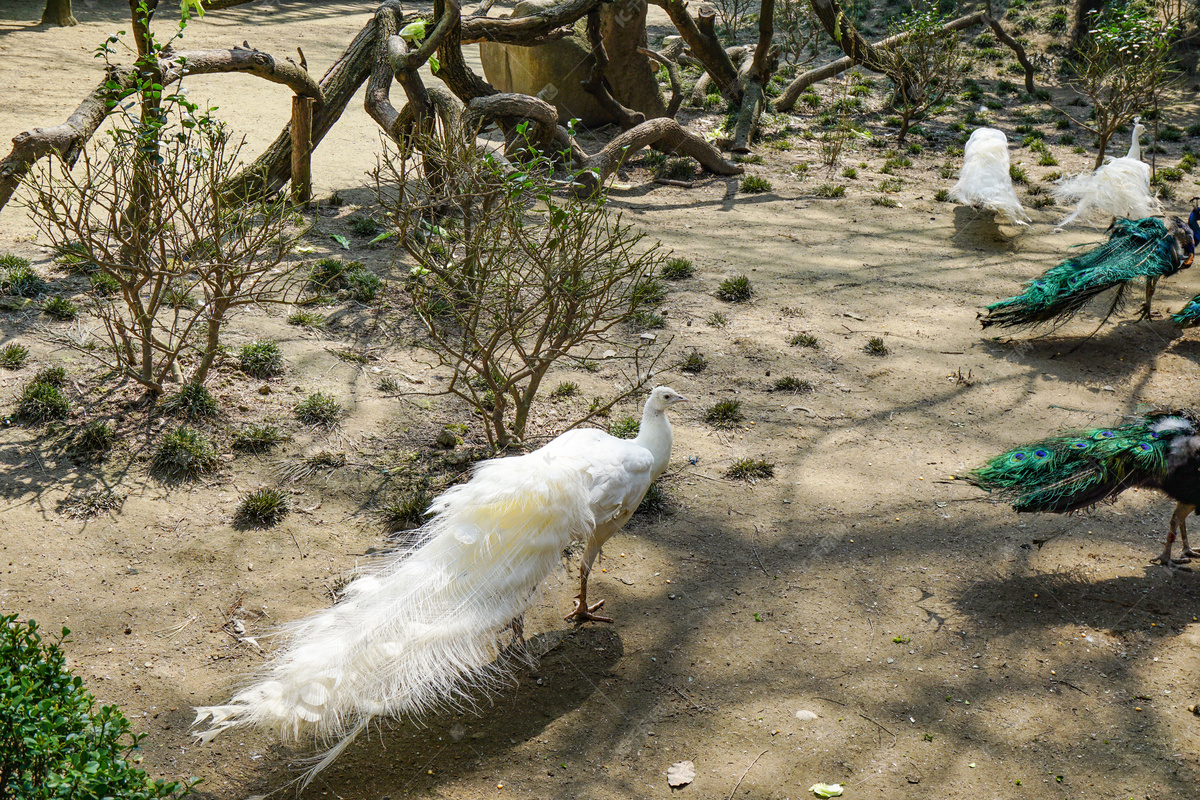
(529, 30)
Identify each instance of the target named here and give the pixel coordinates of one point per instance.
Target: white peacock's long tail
(984, 180)
(1120, 188)
(425, 627)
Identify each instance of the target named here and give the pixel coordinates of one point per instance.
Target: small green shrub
(676, 269)
(649, 293)
(192, 401)
(850, 172)
(180, 298)
(405, 511)
(104, 285)
(306, 319)
(694, 362)
(724, 414)
(794, 385)
(319, 409)
(942, 196)
(736, 289)
(564, 389)
(885, 201)
(1174, 174)
(347, 279)
(648, 320)
(624, 427)
(73, 260)
(14, 355)
(747, 158)
(676, 169)
(60, 308)
(363, 226)
(876, 347)
(258, 438)
(41, 402)
(1047, 159)
(753, 184)
(804, 340)
(54, 742)
(830, 191)
(1017, 174)
(95, 439)
(263, 508)
(261, 359)
(717, 319)
(749, 469)
(184, 453)
(17, 278)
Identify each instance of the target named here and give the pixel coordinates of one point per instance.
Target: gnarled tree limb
(597, 84)
(526, 31)
(705, 46)
(754, 76)
(244, 59)
(673, 74)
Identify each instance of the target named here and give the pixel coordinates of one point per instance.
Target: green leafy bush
(184, 452)
(54, 742)
(347, 279)
(261, 359)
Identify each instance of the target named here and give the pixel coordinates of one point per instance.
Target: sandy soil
(946, 646)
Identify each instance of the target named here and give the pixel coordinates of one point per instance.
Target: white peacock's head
(664, 397)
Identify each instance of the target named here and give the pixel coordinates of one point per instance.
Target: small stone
(446, 439)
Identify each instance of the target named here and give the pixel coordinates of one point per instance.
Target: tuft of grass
(724, 414)
(306, 319)
(648, 320)
(389, 386)
(104, 285)
(694, 362)
(942, 196)
(886, 202)
(55, 376)
(876, 347)
(406, 511)
(17, 278)
(363, 226)
(41, 402)
(184, 453)
(656, 502)
(60, 308)
(717, 319)
(830, 191)
(747, 158)
(347, 279)
(94, 439)
(850, 172)
(649, 293)
(14, 355)
(676, 269)
(1043, 201)
(794, 385)
(261, 358)
(9, 261)
(1018, 174)
(736, 289)
(624, 427)
(804, 340)
(91, 503)
(750, 469)
(180, 298)
(597, 407)
(193, 401)
(319, 409)
(564, 389)
(336, 200)
(1047, 159)
(258, 438)
(263, 508)
(753, 184)
(676, 169)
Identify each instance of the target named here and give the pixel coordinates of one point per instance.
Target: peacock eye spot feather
(1079, 445)
(1018, 457)
(1041, 453)
(1105, 435)
(1145, 448)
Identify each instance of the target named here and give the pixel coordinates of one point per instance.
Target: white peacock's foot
(585, 613)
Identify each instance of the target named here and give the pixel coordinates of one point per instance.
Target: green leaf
(434, 64)
(826, 790)
(413, 32)
(382, 236)
(342, 240)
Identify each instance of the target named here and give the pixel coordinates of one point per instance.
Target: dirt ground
(854, 619)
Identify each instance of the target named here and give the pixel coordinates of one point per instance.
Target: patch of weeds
(1066, 138)
(676, 169)
(804, 340)
(811, 99)
(747, 158)
(1017, 174)
(60, 308)
(1173, 174)
(319, 409)
(885, 201)
(184, 452)
(193, 401)
(307, 319)
(650, 293)
(915, 149)
(1052, 176)
(347, 279)
(597, 407)
(647, 320)
(830, 191)
(261, 358)
(41, 402)
(258, 438)
(694, 362)
(1047, 159)
(263, 508)
(91, 503)
(724, 414)
(95, 439)
(389, 386)
(14, 355)
(793, 385)
(676, 269)
(876, 347)
(717, 319)
(363, 226)
(1188, 162)
(753, 184)
(946, 173)
(180, 298)
(405, 511)
(564, 389)
(892, 185)
(736, 289)
(19, 280)
(750, 469)
(1045, 201)
(800, 171)
(104, 285)
(656, 502)
(850, 172)
(336, 200)
(941, 196)
(624, 427)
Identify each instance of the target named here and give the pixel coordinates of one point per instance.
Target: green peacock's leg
(1177, 524)
(1151, 283)
(1188, 552)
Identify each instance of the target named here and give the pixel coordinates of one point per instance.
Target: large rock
(555, 71)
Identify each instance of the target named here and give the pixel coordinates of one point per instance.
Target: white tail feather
(426, 626)
(1120, 188)
(984, 181)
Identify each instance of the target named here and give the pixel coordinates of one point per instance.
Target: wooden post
(301, 149)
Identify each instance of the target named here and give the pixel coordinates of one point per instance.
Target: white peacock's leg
(583, 612)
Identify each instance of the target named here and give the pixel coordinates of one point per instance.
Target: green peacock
(1144, 248)
(1077, 470)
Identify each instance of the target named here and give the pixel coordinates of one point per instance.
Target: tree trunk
(1085, 12)
(702, 39)
(754, 79)
(58, 12)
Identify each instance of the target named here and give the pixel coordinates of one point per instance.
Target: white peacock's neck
(654, 434)
(1135, 147)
